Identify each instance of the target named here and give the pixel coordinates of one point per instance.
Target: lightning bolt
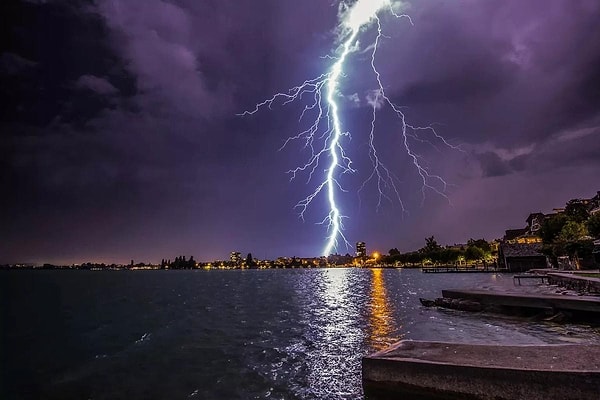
(324, 135)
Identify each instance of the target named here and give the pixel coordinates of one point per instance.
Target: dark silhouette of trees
(431, 245)
(250, 261)
(567, 234)
(593, 225)
(474, 253)
(181, 263)
(450, 256)
(481, 244)
(394, 252)
(477, 249)
(392, 257)
(431, 251)
(576, 210)
(552, 226)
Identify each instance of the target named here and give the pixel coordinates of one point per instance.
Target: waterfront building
(520, 257)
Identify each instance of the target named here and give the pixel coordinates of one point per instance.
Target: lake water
(254, 334)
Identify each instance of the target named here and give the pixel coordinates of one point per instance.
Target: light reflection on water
(281, 334)
(382, 324)
(334, 314)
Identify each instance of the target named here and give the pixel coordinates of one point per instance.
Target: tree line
(179, 263)
(570, 233)
(476, 250)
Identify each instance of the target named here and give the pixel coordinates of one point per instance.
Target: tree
(551, 227)
(481, 243)
(250, 261)
(474, 253)
(431, 244)
(572, 231)
(394, 256)
(593, 225)
(431, 250)
(449, 256)
(576, 210)
(411, 258)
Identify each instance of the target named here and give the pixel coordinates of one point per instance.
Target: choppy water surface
(281, 334)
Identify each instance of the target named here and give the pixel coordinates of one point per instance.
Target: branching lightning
(324, 135)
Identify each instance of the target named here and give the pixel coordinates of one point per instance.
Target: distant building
(361, 249)
(235, 257)
(519, 257)
(527, 235)
(596, 199)
(594, 206)
(511, 235)
(534, 222)
(457, 246)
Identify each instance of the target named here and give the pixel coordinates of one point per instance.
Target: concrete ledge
(588, 304)
(450, 370)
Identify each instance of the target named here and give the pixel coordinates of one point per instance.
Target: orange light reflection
(381, 319)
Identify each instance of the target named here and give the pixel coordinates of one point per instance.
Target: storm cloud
(121, 139)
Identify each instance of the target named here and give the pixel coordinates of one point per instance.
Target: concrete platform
(486, 372)
(588, 304)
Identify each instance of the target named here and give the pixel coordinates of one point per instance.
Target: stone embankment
(580, 283)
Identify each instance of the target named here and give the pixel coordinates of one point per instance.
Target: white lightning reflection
(323, 136)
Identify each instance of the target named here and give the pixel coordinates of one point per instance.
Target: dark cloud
(120, 137)
(13, 64)
(96, 84)
(59, 42)
(493, 165)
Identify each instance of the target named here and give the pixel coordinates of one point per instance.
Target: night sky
(121, 139)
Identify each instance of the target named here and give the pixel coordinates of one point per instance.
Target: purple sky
(120, 139)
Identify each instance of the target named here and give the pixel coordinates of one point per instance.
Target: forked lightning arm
(324, 135)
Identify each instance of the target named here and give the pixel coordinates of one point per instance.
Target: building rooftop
(522, 250)
(511, 234)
